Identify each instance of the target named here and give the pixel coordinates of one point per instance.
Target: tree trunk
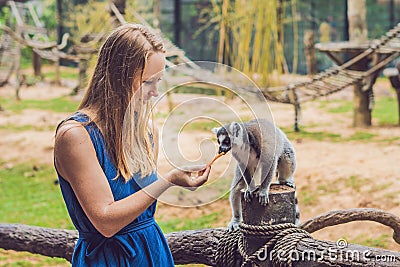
(59, 18)
(37, 65)
(194, 246)
(398, 104)
(83, 77)
(201, 246)
(177, 22)
(356, 14)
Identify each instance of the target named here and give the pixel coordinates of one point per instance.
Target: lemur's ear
(215, 129)
(235, 128)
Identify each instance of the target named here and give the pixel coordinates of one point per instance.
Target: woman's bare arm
(76, 162)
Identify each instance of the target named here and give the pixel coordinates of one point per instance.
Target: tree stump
(280, 209)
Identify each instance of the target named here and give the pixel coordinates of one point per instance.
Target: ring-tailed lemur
(259, 148)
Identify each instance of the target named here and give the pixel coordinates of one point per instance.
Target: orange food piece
(215, 158)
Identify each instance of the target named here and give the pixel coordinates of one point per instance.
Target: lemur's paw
(248, 195)
(233, 225)
(290, 184)
(263, 197)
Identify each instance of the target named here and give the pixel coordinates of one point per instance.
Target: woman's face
(152, 75)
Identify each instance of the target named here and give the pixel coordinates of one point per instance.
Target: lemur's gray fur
(259, 148)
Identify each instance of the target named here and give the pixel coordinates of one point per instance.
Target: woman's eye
(151, 81)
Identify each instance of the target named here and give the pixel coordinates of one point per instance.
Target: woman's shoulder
(70, 132)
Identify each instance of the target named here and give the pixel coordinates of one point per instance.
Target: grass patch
(174, 225)
(201, 125)
(331, 137)
(342, 107)
(385, 111)
(380, 187)
(328, 189)
(355, 182)
(25, 259)
(377, 242)
(26, 127)
(207, 90)
(361, 136)
(65, 73)
(59, 104)
(28, 195)
(308, 198)
(318, 136)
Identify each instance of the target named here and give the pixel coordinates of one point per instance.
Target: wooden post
(281, 209)
(309, 42)
(83, 78)
(362, 114)
(356, 14)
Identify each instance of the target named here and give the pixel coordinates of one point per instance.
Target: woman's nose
(154, 92)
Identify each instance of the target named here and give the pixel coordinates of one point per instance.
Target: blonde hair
(125, 129)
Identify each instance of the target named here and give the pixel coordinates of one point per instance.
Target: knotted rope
(283, 240)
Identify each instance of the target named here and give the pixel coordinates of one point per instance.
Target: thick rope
(283, 240)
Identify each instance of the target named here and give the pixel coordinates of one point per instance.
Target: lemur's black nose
(224, 149)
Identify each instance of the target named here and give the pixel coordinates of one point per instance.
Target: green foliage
(59, 104)
(5, 13)
(89, 18)
(49, 17)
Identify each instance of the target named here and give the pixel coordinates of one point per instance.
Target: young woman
(105, 157)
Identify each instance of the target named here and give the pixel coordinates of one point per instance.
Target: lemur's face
(228, 136)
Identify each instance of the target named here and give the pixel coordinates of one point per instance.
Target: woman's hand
(189, 177)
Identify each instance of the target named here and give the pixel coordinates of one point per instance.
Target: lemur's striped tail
(297, 210)
(296, 203)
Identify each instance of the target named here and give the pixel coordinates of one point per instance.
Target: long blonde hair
(121, 61)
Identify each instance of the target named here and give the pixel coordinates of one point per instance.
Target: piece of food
(215, 158)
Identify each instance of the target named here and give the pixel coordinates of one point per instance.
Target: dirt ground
(330, 175)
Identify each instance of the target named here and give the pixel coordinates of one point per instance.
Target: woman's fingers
(194, 168)
(200, 179)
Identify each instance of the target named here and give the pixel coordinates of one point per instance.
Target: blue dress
(140, 243)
